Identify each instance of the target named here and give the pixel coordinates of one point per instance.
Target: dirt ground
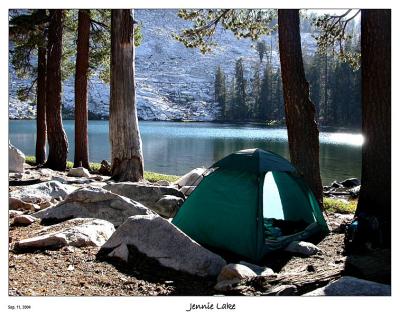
(82, 272)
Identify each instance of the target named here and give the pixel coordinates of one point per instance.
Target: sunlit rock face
(173, 82)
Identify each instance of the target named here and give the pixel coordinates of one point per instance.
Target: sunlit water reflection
(176, 147)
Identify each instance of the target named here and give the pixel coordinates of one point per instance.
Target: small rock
(70, 267)
(355, 191)
(193, 178)
(78, 172)
(14, 213)
(335, 184)
(46, 172)
(23, 220)
(235, 271)
(168, 205)
(267, 271)
(68, 249)
(226, 285)
(259, 270)
(162, 182)
(351, 286)
(18, 204)
(302, 247)
(351, 182)
(16, 159)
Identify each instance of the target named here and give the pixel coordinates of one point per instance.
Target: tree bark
(375, 193)
(126, 144)
(81, 156)
(41, 128)
(300, 111)
(57, 139)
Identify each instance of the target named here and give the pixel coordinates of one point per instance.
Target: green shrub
(31, 160)
(154, 177)
(149, 176)
(340, 206)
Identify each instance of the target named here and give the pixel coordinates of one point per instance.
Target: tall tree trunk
(58, 144)
(271, 76)
(41, 128)
(81, 157)
(326, 89)
(299, 110)
(375, 193)
(126, 144)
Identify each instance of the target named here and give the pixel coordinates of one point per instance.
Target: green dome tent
(241, 205)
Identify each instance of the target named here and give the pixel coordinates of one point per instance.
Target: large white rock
(16, 159)
(351, 286)
(94, 203)
(157, 238)
(235, 271)
(193, 178)
(78, 172)
(165, 200)
(77, 233)
(42, 193)
(302, 247)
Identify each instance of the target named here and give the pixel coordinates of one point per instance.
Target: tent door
(271, 200)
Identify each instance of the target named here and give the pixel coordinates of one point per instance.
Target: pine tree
(375, 193)
(255, 93)
(278, 112)
(28, 35)
(230, 102)
(313, 74)
(265, 95)
(261, 48)
(220, 91)
(240, 108)
(81, 154)
(300, 111)
(58, 144)
(126, 143)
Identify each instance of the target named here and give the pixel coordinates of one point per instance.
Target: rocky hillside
(173, 82)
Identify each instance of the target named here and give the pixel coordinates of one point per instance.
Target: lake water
(177, 147)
